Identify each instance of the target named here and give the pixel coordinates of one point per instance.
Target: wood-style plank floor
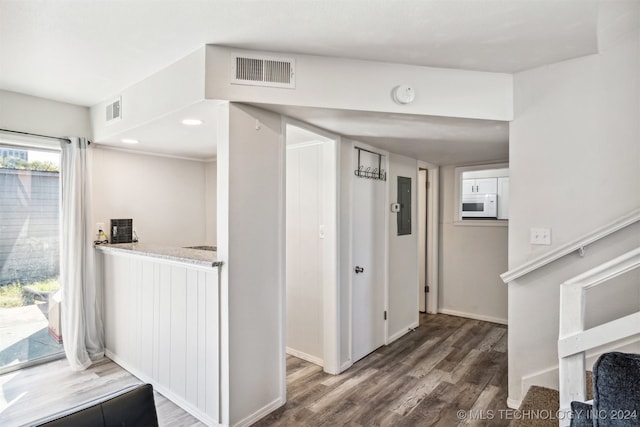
(36, 392)
(448, 364)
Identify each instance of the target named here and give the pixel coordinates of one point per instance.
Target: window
(482, 195)
(29, 253)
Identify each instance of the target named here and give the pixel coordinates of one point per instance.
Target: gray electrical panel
(404, 199)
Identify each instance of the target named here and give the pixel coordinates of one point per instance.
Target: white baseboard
(188, 407)
(514, 404)
(346, 365)
(402, 332)
(265, 410)
(546, 378)
(473, 316)
(305, 356)
(549, 377)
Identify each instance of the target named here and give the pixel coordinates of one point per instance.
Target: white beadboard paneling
(164, 339)
(156, 321)
(161, 323)
(191, 336)
(147, 317)
(202, 343)
(178, 329)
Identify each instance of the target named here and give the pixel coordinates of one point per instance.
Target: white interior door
(368, 270)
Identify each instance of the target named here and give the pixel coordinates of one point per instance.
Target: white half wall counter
(161, 308)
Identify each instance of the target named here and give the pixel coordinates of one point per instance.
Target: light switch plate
(99, 226)
(540, 236)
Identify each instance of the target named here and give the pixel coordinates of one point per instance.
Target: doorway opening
(428, 226)
(423, 285)
(311, 245)
(29, 256)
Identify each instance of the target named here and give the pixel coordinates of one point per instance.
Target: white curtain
(82, 330)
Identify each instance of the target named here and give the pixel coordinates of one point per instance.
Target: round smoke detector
(403, 94)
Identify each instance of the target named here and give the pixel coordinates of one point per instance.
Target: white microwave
(480, 206)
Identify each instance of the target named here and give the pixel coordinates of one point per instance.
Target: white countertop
(187, 255)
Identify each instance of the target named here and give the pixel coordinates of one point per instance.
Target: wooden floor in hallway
(448, 364)
(449, 371)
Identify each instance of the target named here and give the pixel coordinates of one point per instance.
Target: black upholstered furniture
(133, 406)
(616, 393)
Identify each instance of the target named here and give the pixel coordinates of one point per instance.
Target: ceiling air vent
(114, 110)
(259, 70)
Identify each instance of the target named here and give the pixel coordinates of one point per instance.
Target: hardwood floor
(39, 391)
(448, 364)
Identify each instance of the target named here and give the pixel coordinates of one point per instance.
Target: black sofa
(616, 393)
(132, 406)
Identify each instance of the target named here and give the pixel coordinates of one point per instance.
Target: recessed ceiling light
(192, 122)
(130, 141)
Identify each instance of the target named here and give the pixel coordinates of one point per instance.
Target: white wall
(164, 196)
(342, 83)
(250, 236)
(305, 205)
(575, 166)
(177, 86)
(403, 253)
(471, 261)
(26, 113)
(210, 201)
(346, 264)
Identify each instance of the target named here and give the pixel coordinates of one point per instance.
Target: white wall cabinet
(480, 186)
(161, 324)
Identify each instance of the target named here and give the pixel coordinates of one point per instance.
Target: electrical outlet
(99, 226)
(540, 236)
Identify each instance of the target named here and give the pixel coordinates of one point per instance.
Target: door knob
(359, 269)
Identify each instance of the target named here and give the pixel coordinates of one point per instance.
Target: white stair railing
(574, 340)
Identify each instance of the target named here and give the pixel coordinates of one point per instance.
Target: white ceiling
(84, 52)
(167, 135)
(438, 140)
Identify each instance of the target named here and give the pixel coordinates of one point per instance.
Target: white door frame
(355, 144)
(331, 262)
(432, 241)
